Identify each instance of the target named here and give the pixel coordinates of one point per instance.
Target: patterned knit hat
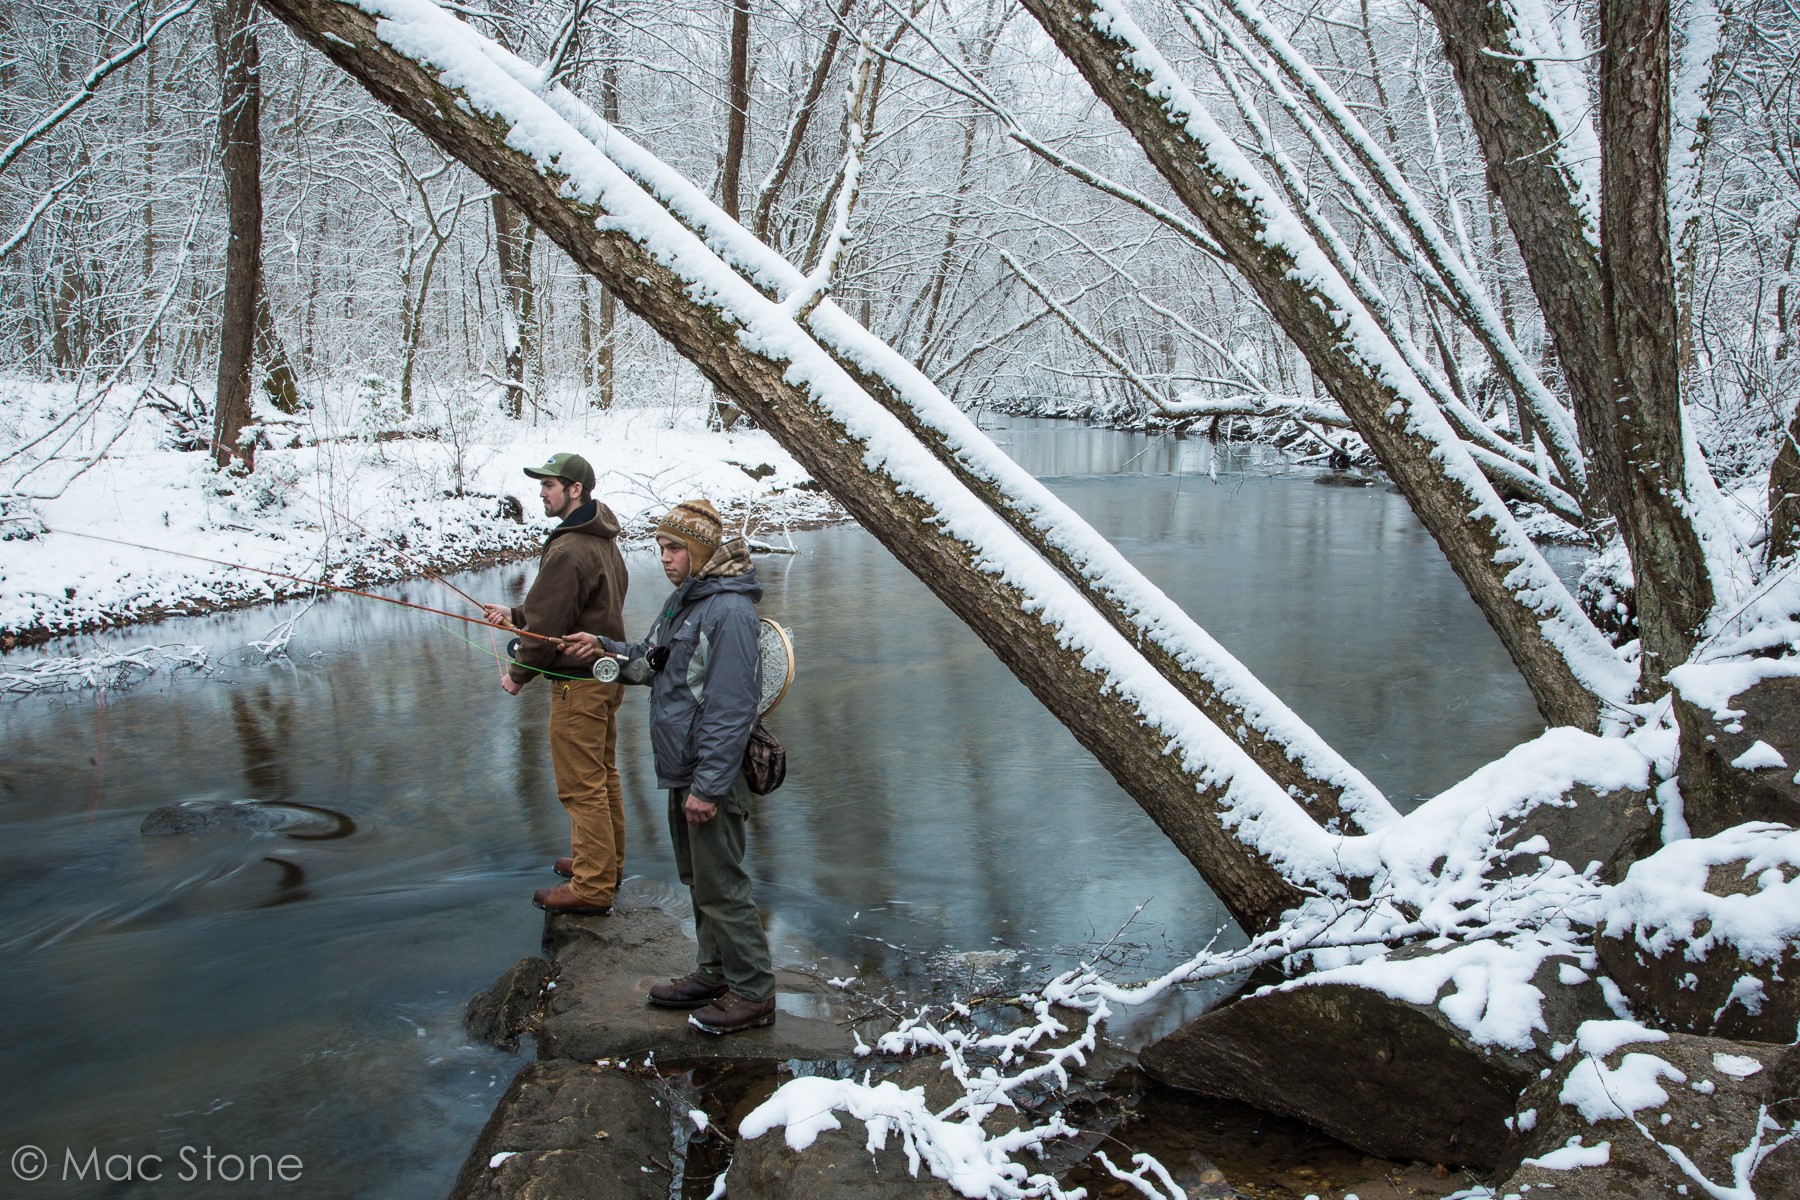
(695, 524)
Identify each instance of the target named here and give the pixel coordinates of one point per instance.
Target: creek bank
(628, 1101)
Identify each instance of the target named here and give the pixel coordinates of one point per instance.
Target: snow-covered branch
(91, 84)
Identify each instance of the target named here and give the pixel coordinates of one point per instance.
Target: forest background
(969, 201)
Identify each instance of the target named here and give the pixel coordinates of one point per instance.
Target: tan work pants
(582, 738)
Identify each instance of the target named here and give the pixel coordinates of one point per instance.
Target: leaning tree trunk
(1467, 520)
(1625, 411)
(1332, 791)
(240, 136)
(1198, 804)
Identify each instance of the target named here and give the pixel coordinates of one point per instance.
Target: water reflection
(268, 992)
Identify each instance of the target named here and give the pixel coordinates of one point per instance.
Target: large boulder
(1705, 933)
(1626, 1105)
(1584, 827)
(1740, 744)
(1389, 1071)
(572, 1129)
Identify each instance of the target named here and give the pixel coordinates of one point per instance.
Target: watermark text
(189, 1164)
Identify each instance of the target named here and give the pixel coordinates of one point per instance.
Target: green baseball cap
(571, 467)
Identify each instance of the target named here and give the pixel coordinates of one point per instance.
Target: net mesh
(777, 651)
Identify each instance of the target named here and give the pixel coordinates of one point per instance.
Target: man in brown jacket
(580, 586)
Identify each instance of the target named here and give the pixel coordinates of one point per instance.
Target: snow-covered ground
(349, 492)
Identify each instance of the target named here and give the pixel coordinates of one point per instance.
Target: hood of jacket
(592, 519)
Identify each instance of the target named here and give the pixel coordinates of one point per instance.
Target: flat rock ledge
(571, 1129)
(596, 1115)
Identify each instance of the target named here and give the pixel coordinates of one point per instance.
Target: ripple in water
(191, 818)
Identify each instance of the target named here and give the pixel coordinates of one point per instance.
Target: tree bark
(607, 335)
(278, 382)
(1784, 495)
(240, 136)
(737, 118)
(1191, 802)
(1626, 414)
(513, 236)
(1463, 515)
(1637, 259)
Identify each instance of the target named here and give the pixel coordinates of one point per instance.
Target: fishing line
(319, 583)
(424, 568)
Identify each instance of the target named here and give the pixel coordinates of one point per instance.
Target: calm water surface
(301, 991)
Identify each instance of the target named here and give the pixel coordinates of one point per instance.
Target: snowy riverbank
(349, 493)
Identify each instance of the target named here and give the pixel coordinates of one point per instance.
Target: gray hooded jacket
(703, 702)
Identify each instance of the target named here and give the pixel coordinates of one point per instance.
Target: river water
(296, 988)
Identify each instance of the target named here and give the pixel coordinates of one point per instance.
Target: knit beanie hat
(696, 524)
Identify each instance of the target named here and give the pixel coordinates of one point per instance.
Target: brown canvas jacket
(580, 587)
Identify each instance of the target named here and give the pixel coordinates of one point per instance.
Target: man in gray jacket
(705, 678)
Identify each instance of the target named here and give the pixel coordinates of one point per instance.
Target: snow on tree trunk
(1563, 659)
(513, 236)
(1248, 837)
(1528, 111)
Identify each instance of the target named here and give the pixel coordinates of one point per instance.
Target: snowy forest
(1532, 261)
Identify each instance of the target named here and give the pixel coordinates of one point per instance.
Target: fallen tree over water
(1461, 918)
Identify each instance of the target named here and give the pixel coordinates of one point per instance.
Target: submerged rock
(192, 818)
(1390, 1077)
(571, 1129)
(510, 1008)
(1604, 1122)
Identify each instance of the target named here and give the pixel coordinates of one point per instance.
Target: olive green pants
(583, 736)
(710, 860)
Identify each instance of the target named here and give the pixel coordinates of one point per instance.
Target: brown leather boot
(564, 866)
(690, 991)
(564, 902)
(731, 1013)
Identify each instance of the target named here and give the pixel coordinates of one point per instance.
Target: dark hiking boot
(565, 903)
(690, 991)
(564, 866)
(731, 1013)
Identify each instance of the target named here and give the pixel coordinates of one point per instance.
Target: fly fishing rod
(424, 567)
(221, 562)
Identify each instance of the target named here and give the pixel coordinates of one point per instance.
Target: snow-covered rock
(1631, 1111)
(1740, 742)
(1705, 933)
(1391, 1075)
